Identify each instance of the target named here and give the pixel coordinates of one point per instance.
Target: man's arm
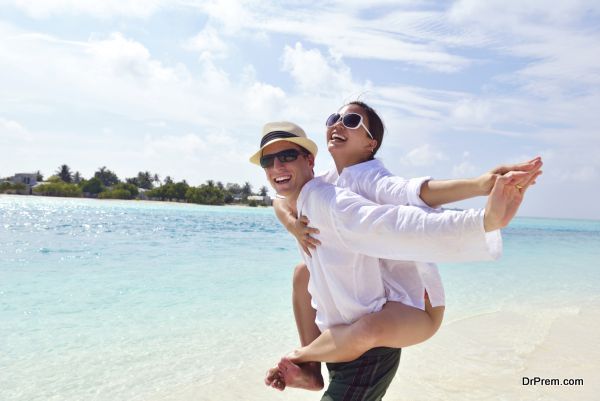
(410, 233)
(439, 192)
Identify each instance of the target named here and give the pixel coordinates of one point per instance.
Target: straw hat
(283, 131)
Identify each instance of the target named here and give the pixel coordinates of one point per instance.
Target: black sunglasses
(349, 120)
(285, 156)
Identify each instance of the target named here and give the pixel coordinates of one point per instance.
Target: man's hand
(487, 180)
(302, 232)
(506, 197)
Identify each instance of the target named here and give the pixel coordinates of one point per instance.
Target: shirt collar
(360, 167)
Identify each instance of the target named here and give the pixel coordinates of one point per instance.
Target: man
(345, 279)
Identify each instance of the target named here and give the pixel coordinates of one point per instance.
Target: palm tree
(77, 177)
(145, 180)
(246, 189)
(107, 177)
(64, 173)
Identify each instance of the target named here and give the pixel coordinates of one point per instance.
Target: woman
(414, 291)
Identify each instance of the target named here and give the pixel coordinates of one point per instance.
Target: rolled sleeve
(413, 191)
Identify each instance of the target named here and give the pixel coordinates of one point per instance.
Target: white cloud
(340, 28)
(189, 145)
(472, 112)
(366, 39)
(264, 100)
(464, 169)
(208, 44)
(220, 138)
(233, 15)
(95, 8)
(573, 164)
(316, 73)
(127, 58)
(496, 14)
(582, 174)
(559, 50)
(11, 132)
(424, 155)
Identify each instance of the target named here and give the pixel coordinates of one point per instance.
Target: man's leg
(364, 379)
(305, 375)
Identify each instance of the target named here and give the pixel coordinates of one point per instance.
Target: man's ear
(311, 160)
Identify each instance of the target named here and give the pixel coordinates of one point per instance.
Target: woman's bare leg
(395, 325)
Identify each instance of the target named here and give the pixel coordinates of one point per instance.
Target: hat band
(276, 135)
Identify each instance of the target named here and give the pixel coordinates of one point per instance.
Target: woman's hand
(487, 180)
(302, 232)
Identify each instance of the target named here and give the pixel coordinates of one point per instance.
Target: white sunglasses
(349, 120)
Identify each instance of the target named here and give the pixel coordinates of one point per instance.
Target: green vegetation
(120, 191)
(105, 184)
(144, 180)
(10, 187)
(92, 186)
(58, 189)
(206, 194)
(115, 194)
(169, 192)
(54, 179)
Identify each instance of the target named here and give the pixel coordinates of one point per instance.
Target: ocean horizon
(122, 300)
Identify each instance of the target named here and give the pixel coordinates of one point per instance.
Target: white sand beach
(484, 357)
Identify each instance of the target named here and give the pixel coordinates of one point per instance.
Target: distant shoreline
(136, 201)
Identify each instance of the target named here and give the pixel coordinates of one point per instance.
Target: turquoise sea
(126, 300)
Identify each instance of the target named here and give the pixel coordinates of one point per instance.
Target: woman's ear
(373, 145)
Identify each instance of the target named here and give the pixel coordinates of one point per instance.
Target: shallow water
(125, 300)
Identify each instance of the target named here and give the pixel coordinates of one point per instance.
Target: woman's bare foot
(295, 356)
(306, 376)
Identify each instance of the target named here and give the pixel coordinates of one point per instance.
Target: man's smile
(282, 179)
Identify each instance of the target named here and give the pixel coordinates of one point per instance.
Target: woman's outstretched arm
(439, 192)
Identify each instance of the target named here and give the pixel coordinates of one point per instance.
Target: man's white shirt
(345, 275)
(403, 281)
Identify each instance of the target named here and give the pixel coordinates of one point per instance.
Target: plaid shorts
(364, 379)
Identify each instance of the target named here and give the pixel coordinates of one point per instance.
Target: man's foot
(274, 379)
(306, 376)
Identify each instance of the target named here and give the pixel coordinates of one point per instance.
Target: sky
(183, 87)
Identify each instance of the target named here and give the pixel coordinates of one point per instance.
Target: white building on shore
(27, 179)
(261, 200)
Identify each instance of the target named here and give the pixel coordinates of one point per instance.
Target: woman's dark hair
(375, 125)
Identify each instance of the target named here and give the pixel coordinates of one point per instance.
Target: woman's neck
(342, 163)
